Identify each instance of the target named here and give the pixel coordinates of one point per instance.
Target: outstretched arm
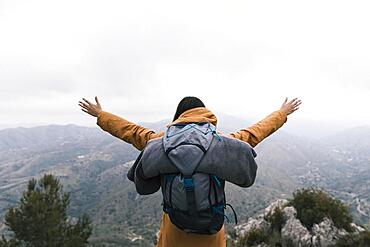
(259, 131)
(125, 130)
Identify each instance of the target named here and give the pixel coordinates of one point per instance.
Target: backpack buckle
(188, 184)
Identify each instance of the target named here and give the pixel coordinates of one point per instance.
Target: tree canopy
(41, 220)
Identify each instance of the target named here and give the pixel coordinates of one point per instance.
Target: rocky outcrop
(259, 222)
(293, 233)
(253, 223)
(281, 203)
(2, 227)
(326, 234)
(289, 213)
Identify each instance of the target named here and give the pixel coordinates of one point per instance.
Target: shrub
(358, 240)
(276, 219)
(254, 237)
(313, 205)
(275, 239)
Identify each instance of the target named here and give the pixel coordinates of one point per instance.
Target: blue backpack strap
(190, 195)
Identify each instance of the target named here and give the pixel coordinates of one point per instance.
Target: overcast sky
(141, 57)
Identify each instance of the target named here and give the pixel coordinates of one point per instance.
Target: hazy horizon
(241, 58)
(308, 129)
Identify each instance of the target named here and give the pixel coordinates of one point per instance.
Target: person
(189, 110)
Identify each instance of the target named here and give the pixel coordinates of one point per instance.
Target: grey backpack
(191, 163)
(194, 201)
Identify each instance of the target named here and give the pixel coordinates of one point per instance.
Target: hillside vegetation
(310, 218)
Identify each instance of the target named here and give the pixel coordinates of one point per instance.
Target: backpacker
(194, 201)
(191, 163)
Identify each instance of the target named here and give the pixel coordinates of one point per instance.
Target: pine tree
(41, 220)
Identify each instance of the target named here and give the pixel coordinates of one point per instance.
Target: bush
(254, 237)
(276, 219)
(274, 239)
(313, 205)
(358, 240)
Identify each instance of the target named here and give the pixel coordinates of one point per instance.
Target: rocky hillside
(281, 225)
(93, 165)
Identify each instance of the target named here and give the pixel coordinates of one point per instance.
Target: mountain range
(92, 166)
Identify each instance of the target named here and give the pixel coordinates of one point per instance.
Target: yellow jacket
(169, 234)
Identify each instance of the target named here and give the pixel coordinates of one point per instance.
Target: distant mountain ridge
(93, 165)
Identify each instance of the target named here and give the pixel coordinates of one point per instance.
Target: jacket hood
(198, 114)
(187, 157)
(185, 145)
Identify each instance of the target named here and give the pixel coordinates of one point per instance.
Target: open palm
(291, 106)
(90, 108)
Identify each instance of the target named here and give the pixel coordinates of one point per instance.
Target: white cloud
(142, 57)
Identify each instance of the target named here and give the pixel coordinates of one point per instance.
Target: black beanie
(187, 103)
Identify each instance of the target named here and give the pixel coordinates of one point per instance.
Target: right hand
(90, 108)
(291, 106)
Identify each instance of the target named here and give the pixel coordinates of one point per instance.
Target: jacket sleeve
(129, 132)
(143, 185)
(259, 131)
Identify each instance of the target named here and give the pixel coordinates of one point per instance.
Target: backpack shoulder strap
(190, 195)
